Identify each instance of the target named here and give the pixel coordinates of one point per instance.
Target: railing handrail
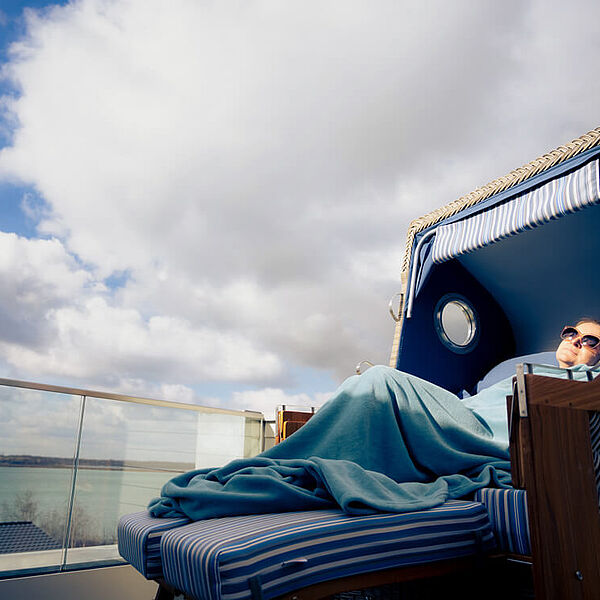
(45, 387)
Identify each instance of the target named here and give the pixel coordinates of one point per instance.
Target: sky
(207, 201)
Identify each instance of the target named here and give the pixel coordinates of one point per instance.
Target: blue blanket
(386, 441)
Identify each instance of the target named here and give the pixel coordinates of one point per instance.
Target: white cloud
(37, 276)
(96, 339)
(252, 167)
(58, 321)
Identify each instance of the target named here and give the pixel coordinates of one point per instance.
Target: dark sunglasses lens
(591, 341)
(568, 333)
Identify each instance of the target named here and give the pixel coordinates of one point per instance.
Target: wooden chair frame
(477, 567)
(551, 458)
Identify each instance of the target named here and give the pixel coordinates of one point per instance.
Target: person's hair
(587, 320)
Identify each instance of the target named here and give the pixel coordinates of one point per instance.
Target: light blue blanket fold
(386, 441)
(490, 403)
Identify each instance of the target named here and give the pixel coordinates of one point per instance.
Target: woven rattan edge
(539, 165)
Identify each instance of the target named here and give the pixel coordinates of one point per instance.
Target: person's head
(580, 344)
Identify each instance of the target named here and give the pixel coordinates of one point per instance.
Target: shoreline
(42, 462)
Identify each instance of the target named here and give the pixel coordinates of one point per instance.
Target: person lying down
(386, 441)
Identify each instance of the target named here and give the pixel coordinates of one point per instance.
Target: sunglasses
(570, 333)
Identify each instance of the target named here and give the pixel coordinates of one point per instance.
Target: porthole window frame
(473, 321)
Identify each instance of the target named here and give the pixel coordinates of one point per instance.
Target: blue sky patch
(12, 216)
(118, 279)
(20, 210)
(12, 24)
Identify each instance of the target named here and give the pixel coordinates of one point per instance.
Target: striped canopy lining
(552, 200)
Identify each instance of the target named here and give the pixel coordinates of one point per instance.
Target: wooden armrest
(563, 393)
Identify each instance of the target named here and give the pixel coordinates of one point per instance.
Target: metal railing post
(71, 502)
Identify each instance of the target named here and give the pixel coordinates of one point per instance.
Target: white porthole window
(456, 323)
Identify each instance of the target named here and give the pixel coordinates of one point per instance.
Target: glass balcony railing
(73, 461)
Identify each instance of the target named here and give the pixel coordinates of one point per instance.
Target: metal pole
(71, 502)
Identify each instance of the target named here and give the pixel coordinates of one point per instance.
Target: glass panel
(128, 451)
(37, 440)
(457, 323)
(222, 438)
(252, 437)
(269, 432)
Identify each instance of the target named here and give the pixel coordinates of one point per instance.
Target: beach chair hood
(515, 258)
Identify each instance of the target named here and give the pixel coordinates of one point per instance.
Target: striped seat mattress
(139, 537)
(265, 556)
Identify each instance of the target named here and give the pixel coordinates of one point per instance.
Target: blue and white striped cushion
(509, 517)
(139, 536)
(507, 509)
(558, 197)
(216, 558)
(595, 441)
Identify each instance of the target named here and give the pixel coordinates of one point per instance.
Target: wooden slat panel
(561, 487)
